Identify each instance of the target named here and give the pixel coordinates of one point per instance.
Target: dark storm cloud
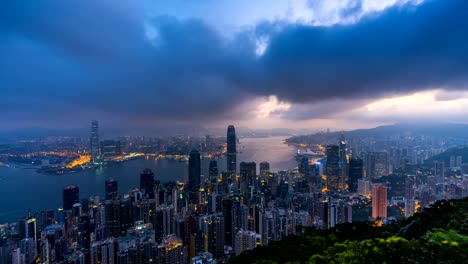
(400, 51)
(95, 58)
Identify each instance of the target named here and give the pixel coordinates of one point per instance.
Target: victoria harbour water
(23, 190)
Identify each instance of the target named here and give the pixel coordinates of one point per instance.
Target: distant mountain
(384, 132)
(445, 156)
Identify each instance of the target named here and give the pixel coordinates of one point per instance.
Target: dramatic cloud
(134, 62)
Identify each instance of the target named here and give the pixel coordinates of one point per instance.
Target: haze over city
(261, 64)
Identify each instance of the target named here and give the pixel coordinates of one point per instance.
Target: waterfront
(25, 189)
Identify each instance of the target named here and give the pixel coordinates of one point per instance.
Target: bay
(24, 190)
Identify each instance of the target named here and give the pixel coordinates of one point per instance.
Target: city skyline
(135, 63)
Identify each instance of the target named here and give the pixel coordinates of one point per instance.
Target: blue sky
(261, 64)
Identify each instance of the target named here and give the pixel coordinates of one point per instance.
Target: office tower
(439, 170)
(248, 172)
(231, 149)
(94, 142)
(333, 170)
(377, 165)
(343, 162)
(112, 218)
(303, 166)
(409, 197)
(30, 226)
(379, 201)
(111, 189)
(213, 170)
(194, 176)
(364, 188)
(147, 183)
(264, 169)
(228, 223)
(71, 196)
(27, 247)
(459, 161)
(356, 172)
(110, 149)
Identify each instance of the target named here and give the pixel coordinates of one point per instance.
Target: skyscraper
(264, 169)
(194, 176)
(147, 182)
(71, 196)
(213, 170)
(111, 189)
(94, 140)
(333, 170)
(409, 197)
(231, 149)
(356, 172)
(248, 172)
(379, 201)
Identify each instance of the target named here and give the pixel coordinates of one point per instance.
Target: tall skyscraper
(111, 189)
(439, 171)
(356, 172)
(71, 196)
(377, 165)
(409, 197)
(248, 171)
(343, 163)
(379, 201)
(332, 168)
(231, 149)
(213, 170)
(147, 182)
(194, 176)
(264, 169)
(94, 140)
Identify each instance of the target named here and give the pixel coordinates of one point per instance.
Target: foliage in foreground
(437, 235)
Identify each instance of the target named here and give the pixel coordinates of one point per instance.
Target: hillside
(445, 156)
(437, 235)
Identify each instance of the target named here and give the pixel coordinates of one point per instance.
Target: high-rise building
(409, 197)
(111, 189)
(147, 183)
(231, 149)
(213, 170)
(194, 176)
(333, 170)
(439, 171)
(248, 171)
(264, 169)
(377, 165)
(71, 196)
(110, 149)
(343, 161)
(379, 201)
(356, 172)
(94, 140)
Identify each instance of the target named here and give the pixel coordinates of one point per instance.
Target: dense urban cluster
(215, 217)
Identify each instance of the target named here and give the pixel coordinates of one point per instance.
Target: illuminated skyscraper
(71, 196)
(379, 201)
(94, 140)
(333, 170)
(231, 149)
(194, 176)
(111, 189)
(343, 162)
